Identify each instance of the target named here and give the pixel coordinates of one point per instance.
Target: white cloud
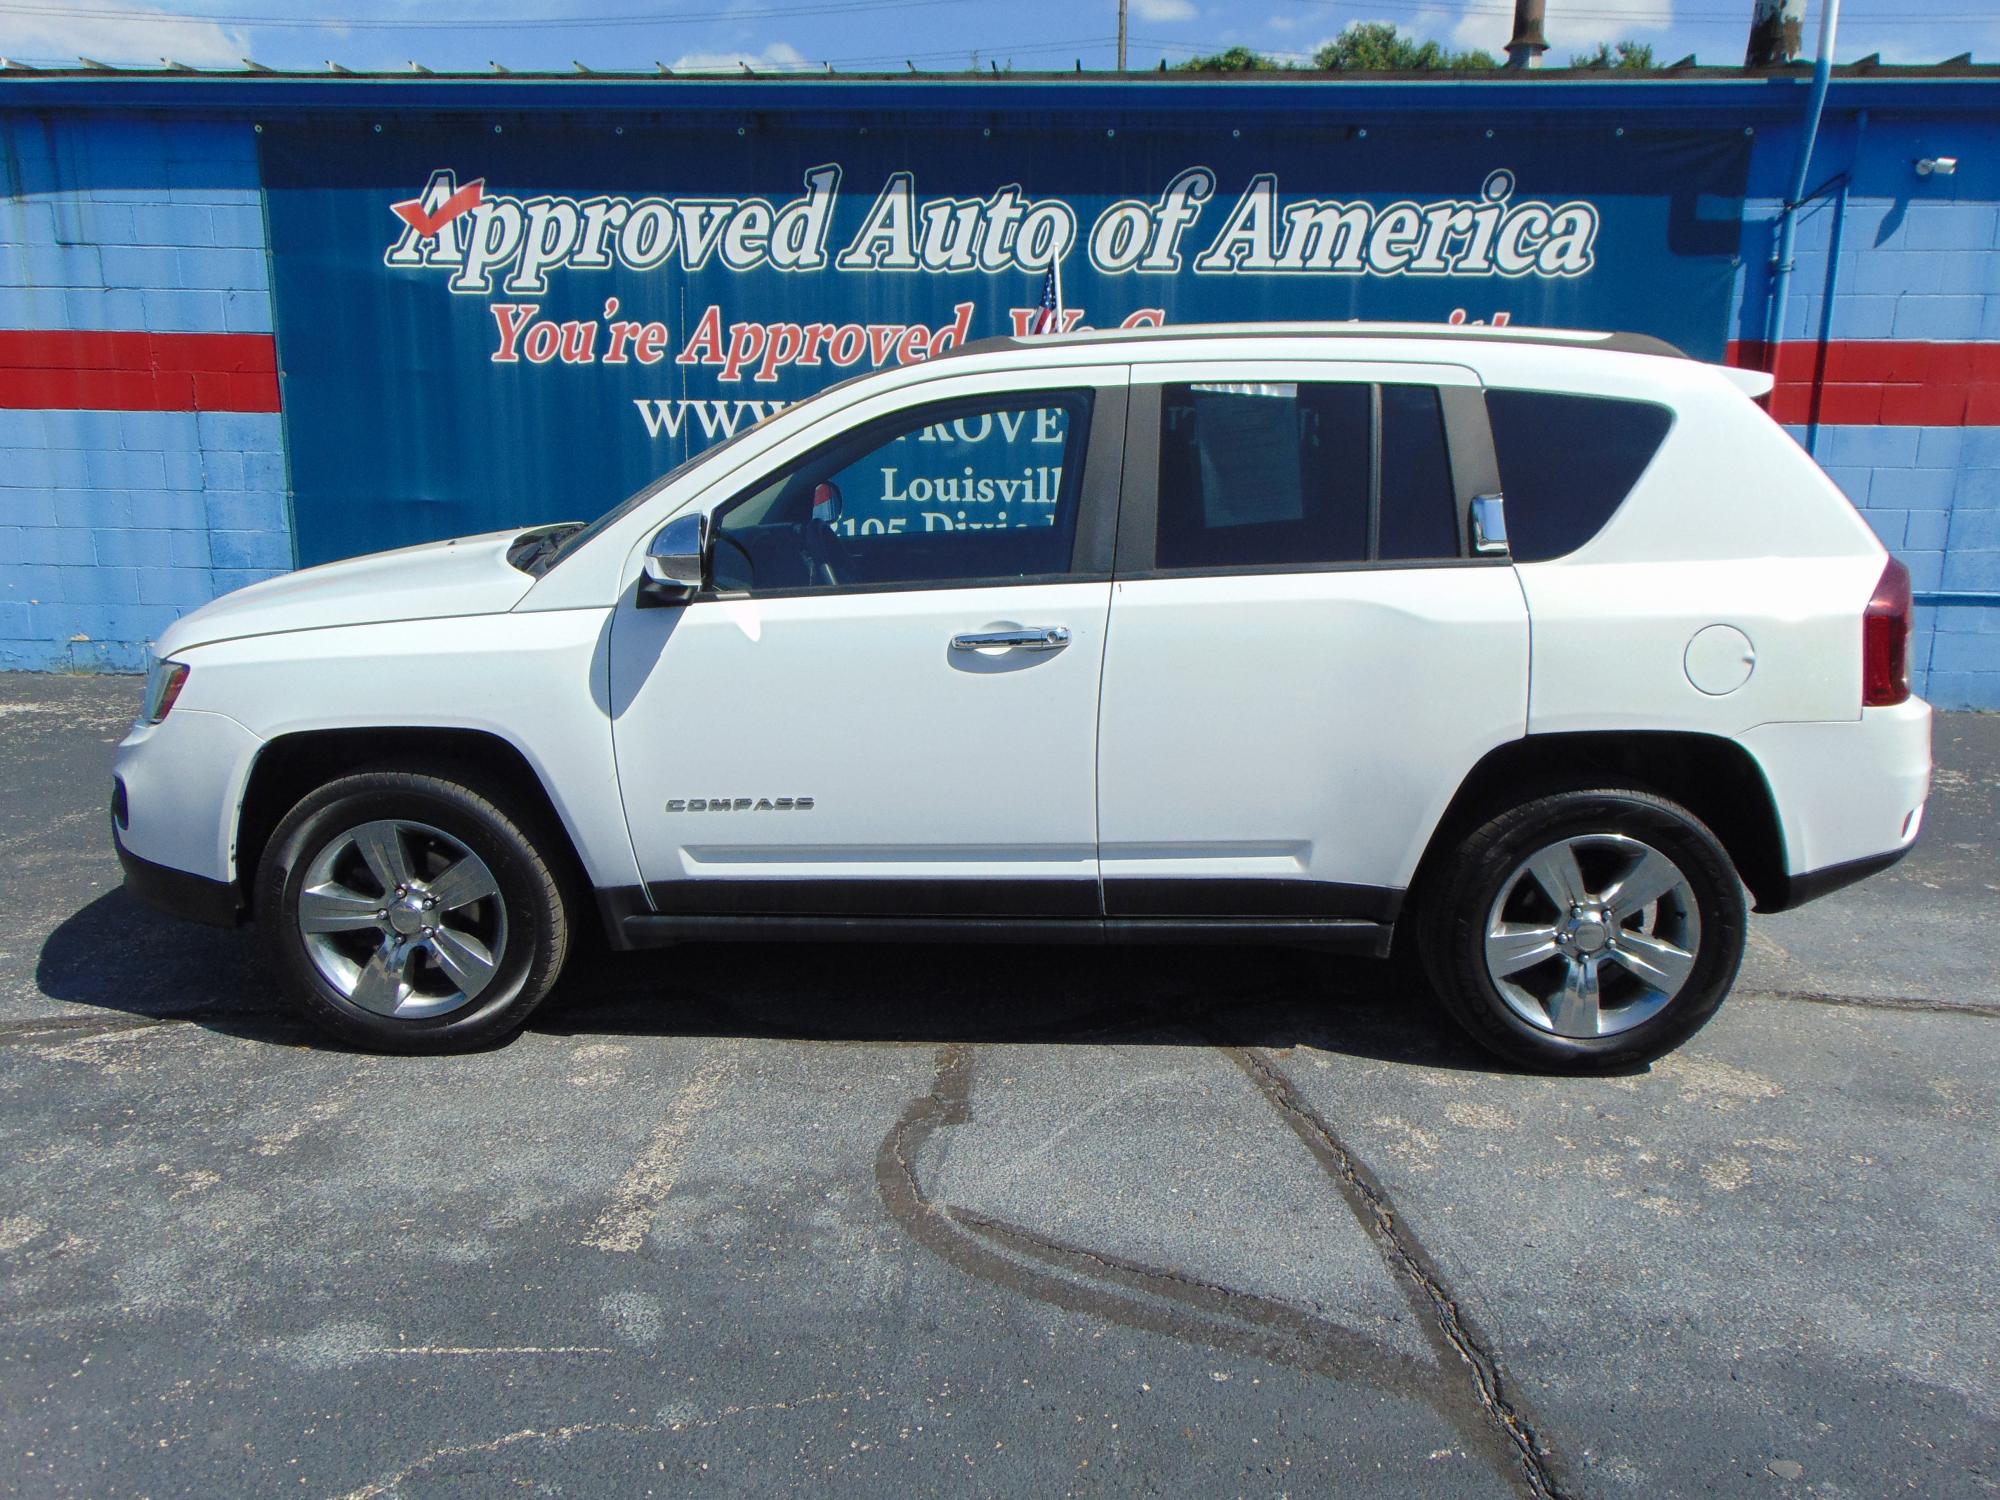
(779, 57)
(135, 39)
(1906, 43)
(1163, 10)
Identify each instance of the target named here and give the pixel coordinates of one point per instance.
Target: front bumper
(183, 781)
(195, 898)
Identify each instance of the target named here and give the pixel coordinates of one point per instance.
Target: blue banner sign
(485, 326)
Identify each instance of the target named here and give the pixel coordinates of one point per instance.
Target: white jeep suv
(1204, 634)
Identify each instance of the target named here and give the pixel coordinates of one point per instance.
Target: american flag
(1046, 320)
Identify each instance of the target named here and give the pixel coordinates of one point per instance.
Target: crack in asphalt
(1207, 1314)
(559, 1436)
(1400, 1244)
(1921, 1003)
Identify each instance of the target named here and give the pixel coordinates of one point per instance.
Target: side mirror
(676, 562)
(1489, 526)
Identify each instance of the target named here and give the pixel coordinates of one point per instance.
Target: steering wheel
(820, 548)
(749, 562)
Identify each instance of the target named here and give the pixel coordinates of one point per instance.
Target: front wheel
(1585, 930)
(409, 913)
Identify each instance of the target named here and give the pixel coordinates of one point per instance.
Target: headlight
(164, 681)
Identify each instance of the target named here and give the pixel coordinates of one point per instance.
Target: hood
(466, 576)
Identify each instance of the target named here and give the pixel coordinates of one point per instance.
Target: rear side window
(1287, 474)
(1263, 473)
(1568, 462)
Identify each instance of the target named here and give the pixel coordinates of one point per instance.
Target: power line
(1004, 49)
(816, 8)
(990, 51)
(1663, 16)
(483, 23)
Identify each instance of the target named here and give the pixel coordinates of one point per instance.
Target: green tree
(1379, 47)
(1235, 60)
(1630, 57)
(1364, 47)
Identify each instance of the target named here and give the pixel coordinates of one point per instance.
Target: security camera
(1937, 166)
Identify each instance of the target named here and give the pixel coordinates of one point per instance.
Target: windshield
(578, 539)
(625, 507)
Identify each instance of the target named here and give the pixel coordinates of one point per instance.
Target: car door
(1306, 654)
(884, 703)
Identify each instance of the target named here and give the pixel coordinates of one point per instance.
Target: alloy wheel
(1592, 935)
(402, 919)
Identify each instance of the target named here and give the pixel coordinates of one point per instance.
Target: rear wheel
(410, 913)
(1585, 929)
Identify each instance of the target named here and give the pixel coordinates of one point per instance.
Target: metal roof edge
(1773, 92)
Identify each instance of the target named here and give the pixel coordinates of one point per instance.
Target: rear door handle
(1034, 638)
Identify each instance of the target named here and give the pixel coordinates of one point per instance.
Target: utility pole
(1777, 28)
(1123, 5)
(1527, 46)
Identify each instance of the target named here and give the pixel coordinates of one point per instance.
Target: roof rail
(1609, 343)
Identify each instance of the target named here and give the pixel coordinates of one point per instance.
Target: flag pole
(1055, 269)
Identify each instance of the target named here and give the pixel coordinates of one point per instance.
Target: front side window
(976, 491)
(1303, 474)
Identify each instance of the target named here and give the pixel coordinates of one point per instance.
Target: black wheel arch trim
(1715, 777)
(290, 766)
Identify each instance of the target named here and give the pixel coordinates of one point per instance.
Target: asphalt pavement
(987, 1221)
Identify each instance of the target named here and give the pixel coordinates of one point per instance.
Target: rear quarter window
(1567, 462)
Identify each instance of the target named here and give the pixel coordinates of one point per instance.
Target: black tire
(529, 898)
(1462, 895)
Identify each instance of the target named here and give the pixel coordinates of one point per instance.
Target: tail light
(1885, 640)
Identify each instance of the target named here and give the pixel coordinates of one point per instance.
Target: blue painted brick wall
(1916, 254)
(112, 524)
(1917, 258)
(1933, 495)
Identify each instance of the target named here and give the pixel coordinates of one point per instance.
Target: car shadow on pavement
(130, 961)
(125, 960)
(1022, 994)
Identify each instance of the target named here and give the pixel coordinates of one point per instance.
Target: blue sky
(883, 34)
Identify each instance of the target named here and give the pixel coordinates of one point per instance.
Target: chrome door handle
(1036, 638)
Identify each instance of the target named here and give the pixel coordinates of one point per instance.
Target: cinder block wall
(1897, 291)
(133, 277)
(132, 258)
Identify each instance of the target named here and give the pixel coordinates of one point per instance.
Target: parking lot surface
(987, 1221)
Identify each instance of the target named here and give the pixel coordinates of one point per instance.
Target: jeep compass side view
(1546, 654)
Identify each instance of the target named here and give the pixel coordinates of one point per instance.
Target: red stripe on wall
(1888, 382)
(66, 370)
(1880, 382)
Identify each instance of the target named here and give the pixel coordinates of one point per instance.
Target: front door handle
(1034, 638)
